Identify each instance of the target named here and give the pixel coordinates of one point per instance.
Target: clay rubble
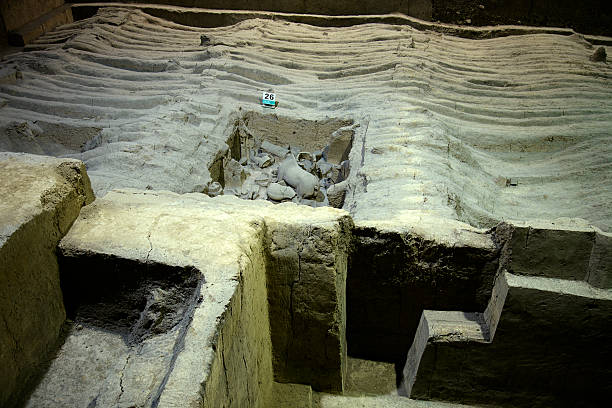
(269, 171)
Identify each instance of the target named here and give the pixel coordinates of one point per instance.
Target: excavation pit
(283, 159)
(135, 300)
(126, 322)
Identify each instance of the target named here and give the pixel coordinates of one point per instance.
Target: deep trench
(116, 308)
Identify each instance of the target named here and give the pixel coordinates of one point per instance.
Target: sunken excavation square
(270, 157)
(122, 315)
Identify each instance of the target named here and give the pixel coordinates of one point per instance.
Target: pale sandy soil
(452, 129)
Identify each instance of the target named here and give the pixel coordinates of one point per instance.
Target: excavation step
(451, 326)
(572, 250)
(547, 316)
(539, 343)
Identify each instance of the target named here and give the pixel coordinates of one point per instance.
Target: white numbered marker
(268, 99)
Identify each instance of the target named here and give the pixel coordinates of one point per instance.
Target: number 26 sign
(269, 99)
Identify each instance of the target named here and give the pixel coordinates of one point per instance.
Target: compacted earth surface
(477, 131)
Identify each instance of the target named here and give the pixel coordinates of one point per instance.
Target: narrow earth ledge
(569, 249)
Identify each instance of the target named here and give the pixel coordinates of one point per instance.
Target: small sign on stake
(268, 100)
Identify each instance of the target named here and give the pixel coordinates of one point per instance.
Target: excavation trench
(359, 290)
(282, 159)
(293, 295)
(126, 321)
(134, 300)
